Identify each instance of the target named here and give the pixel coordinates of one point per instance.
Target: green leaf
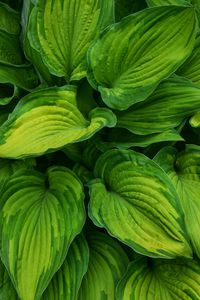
(10, 19)
(130, 186)
(34, 56)
(123, 139)
(191, 68)
(160, 279)
(107, 264)
(7, 290)
(47, 120)
(22, 76)
(67, 281)
(64, 44)
(131, 57)
(10, 51)
(184, 170)
(40, 216)
(167, 2)
(173, 101)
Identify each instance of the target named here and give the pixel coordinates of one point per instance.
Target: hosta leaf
(107, 264)
(10, 19)
(123, 139)
(191, 68)
(66, 282)
(40, 216)
(7, 290)
(160, 279)
(129, 186)
(22, 76)
(10, 51)
(167, 2)
(47, 120)
(173, 101)
(184, 171)
(34, 56)
(64, 44)
(131, 57)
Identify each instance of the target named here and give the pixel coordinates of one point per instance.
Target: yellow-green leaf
(107, 264)
(67, 281)
(184, 171)
(135, 201)
(131, 57)
(64, 43)
(47, 120)
(40, 216)
(148, 279)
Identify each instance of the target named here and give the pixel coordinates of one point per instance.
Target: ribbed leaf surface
(47, 120)
(131, 57)
(136, 202)
(160, 279)
(64, 43)
(184, 171)
(66, 282)
(40, 216)
(173, 101)
(107, 264)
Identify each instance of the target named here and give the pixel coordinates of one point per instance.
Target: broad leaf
(191, 68)
(34, 56)
(123, 139)
(64, 44)
(173, 101)
(160, 279)
(40, 216)
(107, 264)
(10, 19)
(131, 57)
(22, 76)
(67, 281)
(184, 170)
(129, 186)
(47, 120)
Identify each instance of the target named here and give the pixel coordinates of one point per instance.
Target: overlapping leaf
(66, 282)
(10, 19)
(47, 120)
(136, 202)
(160, 279)
(173, 101)
(64, 43)
(131, 57)
(40, 217)
(184, 171)
(107, 264)
(7, 290)
(191, 68)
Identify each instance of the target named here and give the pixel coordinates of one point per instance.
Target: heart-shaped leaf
(131, 57)
(160, 279)
(40, 216)
(47, 120)
(136, 202)
(64, 44)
